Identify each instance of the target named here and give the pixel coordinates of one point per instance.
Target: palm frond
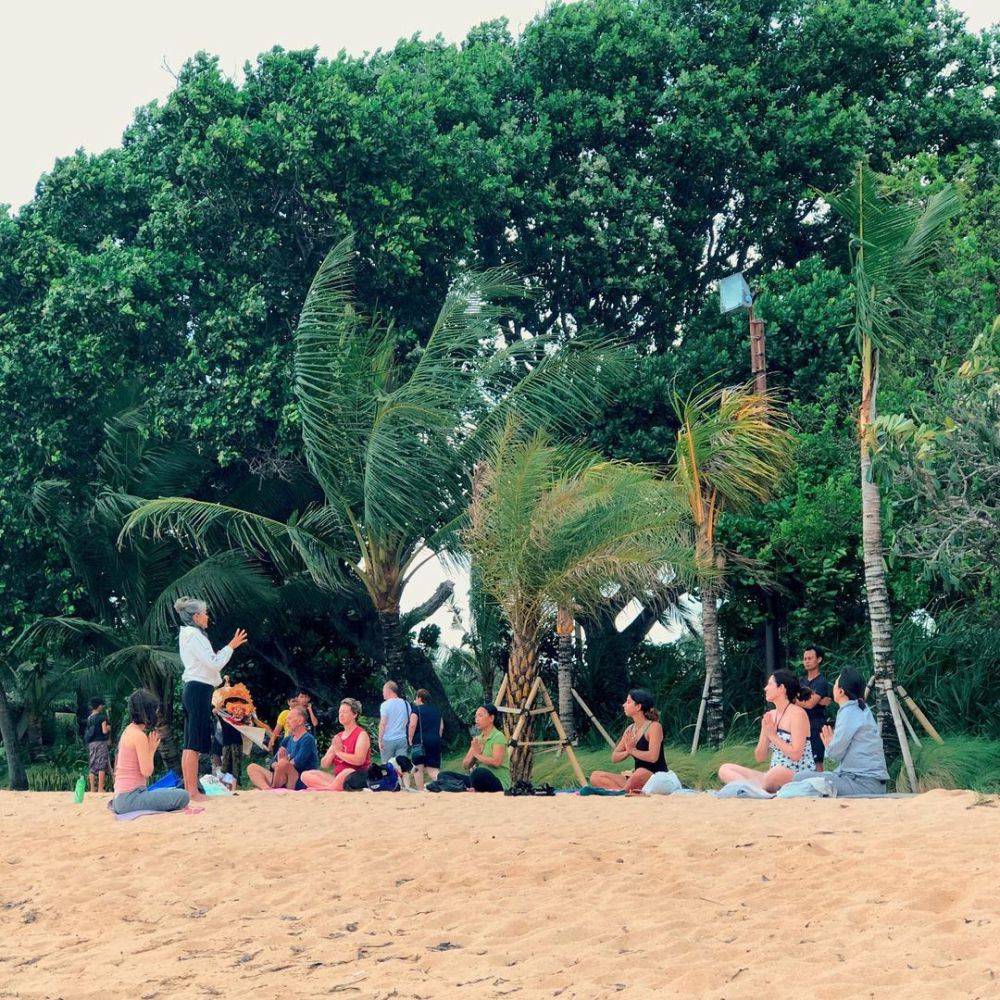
(305, 541)
(893, 247)
(63, 632)
(224, 581)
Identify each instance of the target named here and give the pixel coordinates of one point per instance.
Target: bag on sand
(447, 783)
(662, 783)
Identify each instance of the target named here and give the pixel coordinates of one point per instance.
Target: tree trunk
(713, 664)
(877, 591)
(392, 642)
(521, 675)
(564, 634)
(8, 732)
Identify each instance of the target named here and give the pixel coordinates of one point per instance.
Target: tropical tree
(391, 444)
(894, 248)
(553, 525)
(732, 449)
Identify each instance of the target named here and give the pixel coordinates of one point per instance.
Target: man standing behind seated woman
(349, 755)
(296, 755)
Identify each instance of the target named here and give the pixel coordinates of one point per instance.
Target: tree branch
(413, 618)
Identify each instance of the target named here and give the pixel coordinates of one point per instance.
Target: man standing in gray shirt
(393, 723)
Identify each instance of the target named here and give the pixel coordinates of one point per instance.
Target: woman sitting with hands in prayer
(350, 754)
(486, 759)
(784, 738)
(642, 741)
(854, 742)
(134, 763)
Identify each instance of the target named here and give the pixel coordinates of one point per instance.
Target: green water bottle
(81, 788)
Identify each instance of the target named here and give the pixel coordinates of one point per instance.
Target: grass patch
(959, 762)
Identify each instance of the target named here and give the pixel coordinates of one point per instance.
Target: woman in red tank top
(350, 751)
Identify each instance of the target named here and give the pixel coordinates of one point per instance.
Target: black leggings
(481, 779)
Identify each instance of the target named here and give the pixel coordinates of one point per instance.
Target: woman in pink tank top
(136, 750)
(350, 752)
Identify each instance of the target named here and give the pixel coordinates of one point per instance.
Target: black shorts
(431, 756)
(819, 751)
(198, 718)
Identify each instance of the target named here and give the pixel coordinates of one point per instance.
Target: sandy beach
(406, 896)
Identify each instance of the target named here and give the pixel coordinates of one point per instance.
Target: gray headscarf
(187, 608)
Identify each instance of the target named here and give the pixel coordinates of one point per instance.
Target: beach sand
(407, 896)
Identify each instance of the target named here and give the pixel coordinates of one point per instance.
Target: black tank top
(660, 764)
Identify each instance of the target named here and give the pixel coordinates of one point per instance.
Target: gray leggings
(846, 785)
(158, 800)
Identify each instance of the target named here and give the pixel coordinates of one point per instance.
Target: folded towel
(742, 790)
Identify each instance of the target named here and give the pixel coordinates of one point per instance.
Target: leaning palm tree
(732, 448)
(894, 249)
(391, 444)
(555, 526)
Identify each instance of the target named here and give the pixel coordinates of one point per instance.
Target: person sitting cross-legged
(349, 755)
(487, 761)
(854, 741)
(783, 742)
(296, 755)
(642, 741)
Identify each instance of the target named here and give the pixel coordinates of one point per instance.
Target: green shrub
(959, 762)
(49, 778)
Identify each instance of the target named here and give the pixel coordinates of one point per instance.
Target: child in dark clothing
(96, 737)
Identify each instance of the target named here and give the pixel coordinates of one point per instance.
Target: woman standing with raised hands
(202, 675)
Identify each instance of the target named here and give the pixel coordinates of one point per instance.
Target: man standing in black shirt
(815, 704)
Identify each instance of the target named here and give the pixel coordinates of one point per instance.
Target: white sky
(72, 73)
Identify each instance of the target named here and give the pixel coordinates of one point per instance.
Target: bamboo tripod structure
(505, 703)
(904, 728)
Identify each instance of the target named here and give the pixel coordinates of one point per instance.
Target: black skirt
(197, 699)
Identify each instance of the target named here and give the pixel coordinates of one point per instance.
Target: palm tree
(555, 526)
(732, 448)
(131, 635)
(391, 444)
(894, 248)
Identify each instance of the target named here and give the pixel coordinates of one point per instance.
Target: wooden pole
(918, 715)
(904, 744)
(557, 722)
(593, 718)
(701, 712)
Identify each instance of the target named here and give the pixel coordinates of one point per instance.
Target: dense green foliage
(621, 154)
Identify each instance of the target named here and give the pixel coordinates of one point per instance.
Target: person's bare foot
(198, 797)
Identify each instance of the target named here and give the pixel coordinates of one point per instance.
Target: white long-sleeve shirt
(201, 662)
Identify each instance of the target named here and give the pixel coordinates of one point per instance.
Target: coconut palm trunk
(18, 777)
(713, 663)
(522, 671)
(392, 641)
(879, 610)
(564, 641)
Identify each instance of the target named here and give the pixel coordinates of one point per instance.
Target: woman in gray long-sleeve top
(854, 742)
